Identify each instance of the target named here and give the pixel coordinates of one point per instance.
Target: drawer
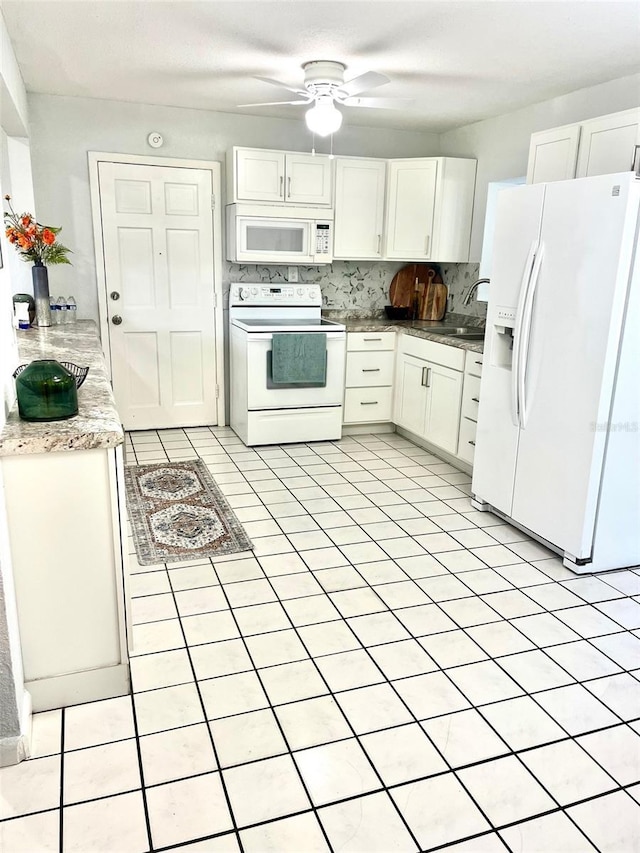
(473, 363)
(447, 356)
(369, 368)
(362, 405)
(467, 440)
(367, 341)
(471, 397)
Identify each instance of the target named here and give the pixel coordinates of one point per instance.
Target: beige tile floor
(388, 670)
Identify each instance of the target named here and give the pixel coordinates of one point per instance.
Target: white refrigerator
(558, 438)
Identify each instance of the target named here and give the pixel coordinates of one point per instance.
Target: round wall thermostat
(155, 139)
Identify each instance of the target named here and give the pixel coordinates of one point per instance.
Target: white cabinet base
(77, 687)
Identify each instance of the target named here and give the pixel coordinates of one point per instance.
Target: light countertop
(96, 425)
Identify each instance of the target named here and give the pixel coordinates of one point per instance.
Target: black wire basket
(79, 373)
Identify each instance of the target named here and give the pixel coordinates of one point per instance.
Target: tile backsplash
(361, 284)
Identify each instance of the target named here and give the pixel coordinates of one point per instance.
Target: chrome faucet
(473, 288)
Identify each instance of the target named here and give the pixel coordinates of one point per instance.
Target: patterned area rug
(178, 513)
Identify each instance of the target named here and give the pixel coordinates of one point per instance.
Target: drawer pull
(372, 339)
(478, 362)
(372, 403)
(371, 370)
(475, 400)
(472, 443)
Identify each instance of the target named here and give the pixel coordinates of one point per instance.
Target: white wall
(501, 144)
(64, 129)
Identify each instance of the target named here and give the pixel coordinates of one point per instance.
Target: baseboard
(13, 750)
(363, 429)
(437, 451)
(77, 687)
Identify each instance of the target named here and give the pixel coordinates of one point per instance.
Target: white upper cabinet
(601, 146)
(411, 201)
(308, 179)
(280, 177)
(429, 206)
(359, 208)
(553, 154)
(608, 144)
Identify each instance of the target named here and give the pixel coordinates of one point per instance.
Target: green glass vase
(46, 392)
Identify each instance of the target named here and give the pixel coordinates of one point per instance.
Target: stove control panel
(274, 294)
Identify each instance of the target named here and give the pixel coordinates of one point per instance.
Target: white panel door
(157, 230)
(359, 208)
(552, 154)
(410, 209)
(577, 317)
(259, 175)
(410, 408)
(443, 406)
(308, 178)
(518, 217)
(607, 144)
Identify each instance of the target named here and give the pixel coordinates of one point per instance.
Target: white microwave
(266, 234)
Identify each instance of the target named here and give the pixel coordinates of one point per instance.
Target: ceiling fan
(324, 87)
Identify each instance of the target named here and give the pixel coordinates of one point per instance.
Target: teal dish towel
(299, 358)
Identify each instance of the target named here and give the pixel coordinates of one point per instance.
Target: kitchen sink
(469, 333)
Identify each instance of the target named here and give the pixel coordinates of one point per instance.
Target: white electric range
(263, 412)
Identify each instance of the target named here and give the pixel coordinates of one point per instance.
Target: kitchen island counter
(96, 425)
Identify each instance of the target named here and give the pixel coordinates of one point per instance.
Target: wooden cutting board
(419, 284)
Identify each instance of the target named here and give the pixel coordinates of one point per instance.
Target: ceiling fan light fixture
(323, 118)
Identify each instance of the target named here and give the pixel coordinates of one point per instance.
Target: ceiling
(461, 60)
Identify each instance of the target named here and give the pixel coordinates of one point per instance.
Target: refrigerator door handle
(523, 356)
(517, 335)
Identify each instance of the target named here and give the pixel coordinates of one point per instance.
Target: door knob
(114, 295)
(116, 320)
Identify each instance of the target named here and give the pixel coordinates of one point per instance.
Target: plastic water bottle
(72, 309)
(61, 311)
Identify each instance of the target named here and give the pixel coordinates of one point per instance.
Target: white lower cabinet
(369, 377)
(65, 514)
(428, 391)
(470, 403)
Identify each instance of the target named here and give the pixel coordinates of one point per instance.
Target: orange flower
(48, 237)
(26, 220)
(24, 242)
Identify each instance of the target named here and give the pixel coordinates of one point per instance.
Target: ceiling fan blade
(379, 103)
(274, 103)
(363, 83)
(281, 85)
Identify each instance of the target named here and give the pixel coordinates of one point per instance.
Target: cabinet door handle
(475, 400)
(635, 163)
(371, 370)
(282, 185)
(379, 241)
(427, 244)
(426, 377)
(472, 442)
(288, 187)
(372, 403)
(372, 339)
